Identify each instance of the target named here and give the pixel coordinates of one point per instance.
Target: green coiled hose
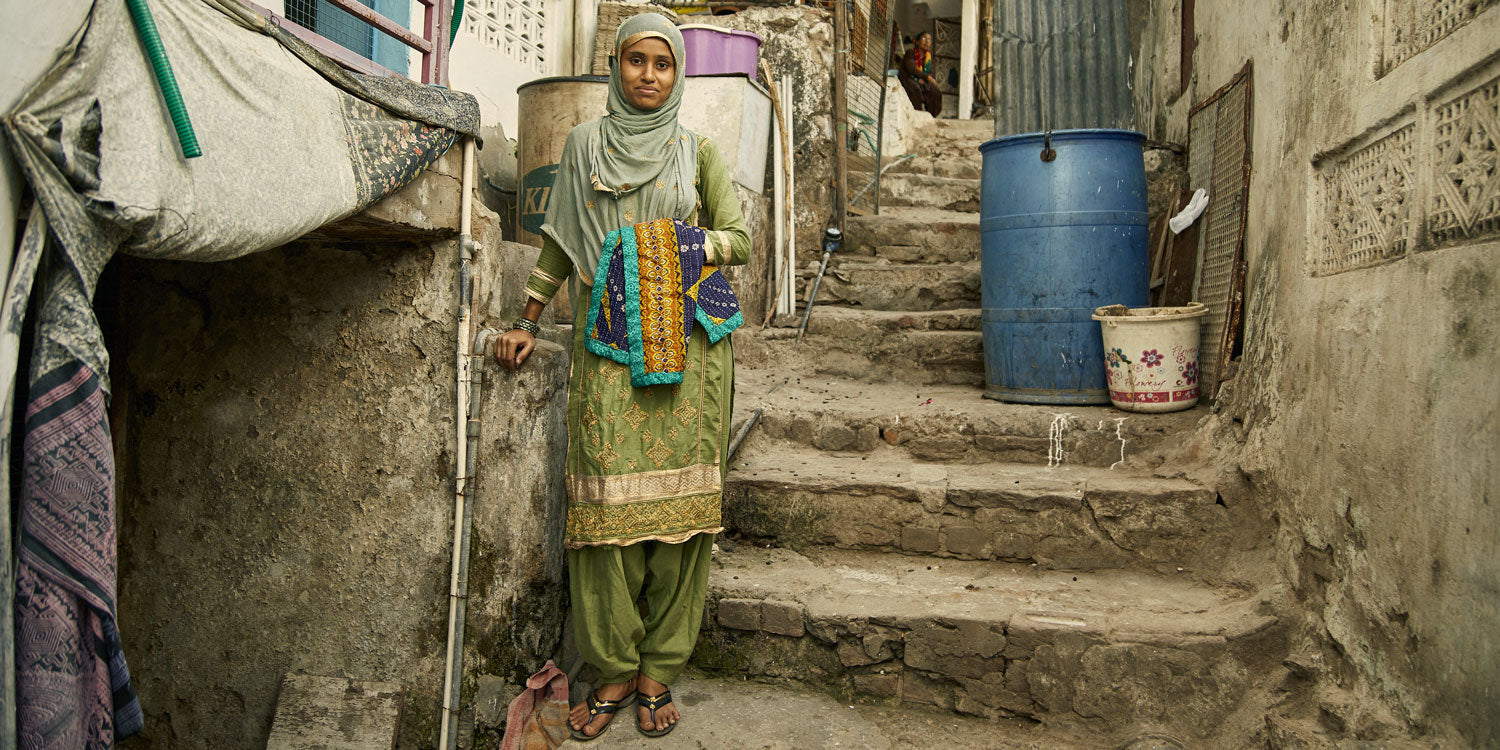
(145, 26)
(458, 20)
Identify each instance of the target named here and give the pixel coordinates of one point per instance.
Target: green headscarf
(630, 166)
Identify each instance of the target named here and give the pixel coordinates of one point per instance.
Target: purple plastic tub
(712, 50)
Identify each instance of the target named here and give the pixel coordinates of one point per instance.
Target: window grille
(515, 28)
(352, 33)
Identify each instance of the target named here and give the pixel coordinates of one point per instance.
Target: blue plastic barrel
(1063, 231)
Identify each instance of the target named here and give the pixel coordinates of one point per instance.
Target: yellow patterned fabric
(662, 321)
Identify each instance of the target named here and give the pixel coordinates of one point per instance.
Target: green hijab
(629, 166)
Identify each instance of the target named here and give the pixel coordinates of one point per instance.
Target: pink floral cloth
(538, 718)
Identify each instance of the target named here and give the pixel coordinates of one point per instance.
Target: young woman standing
(645, 465)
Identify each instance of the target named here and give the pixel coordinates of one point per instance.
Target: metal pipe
(462, 513)
(789, 268)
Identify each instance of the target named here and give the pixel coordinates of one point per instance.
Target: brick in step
(1056, 517)
(1112, 651)
(941, 423)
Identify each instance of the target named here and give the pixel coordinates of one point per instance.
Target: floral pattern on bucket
(1165, 376)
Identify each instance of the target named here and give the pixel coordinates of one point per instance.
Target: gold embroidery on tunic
(635, 415)
(606, 456)
(647, 485)
(672, 434)
(685, 412)
(659, 453)
(673, 520)
(661, 414)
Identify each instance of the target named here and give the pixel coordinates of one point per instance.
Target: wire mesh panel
(352, 33)
(1219, 159)
(864, 94)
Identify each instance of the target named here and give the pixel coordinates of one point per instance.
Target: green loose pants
(605, 582)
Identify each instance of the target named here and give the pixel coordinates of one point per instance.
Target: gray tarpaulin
(290, 142)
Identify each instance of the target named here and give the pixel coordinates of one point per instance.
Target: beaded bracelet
(528, 326)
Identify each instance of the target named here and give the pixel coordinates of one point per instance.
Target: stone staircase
(895, 538)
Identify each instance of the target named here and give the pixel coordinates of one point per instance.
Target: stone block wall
(1362, 415)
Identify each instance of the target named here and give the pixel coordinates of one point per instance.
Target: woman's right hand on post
(513, 348)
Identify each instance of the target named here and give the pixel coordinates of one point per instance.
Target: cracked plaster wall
(1366, 402)
(286, 438)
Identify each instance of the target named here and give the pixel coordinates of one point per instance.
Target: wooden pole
(840, 110)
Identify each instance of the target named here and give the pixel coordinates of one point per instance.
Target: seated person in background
(916, 76)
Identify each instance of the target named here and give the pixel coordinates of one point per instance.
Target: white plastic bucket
(1151, 356)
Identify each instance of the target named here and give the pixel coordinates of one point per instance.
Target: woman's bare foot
(666, 716)
(578, 716)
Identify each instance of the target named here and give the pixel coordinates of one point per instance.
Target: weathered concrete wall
(286, 458)
(798, 42)
(1366, 399)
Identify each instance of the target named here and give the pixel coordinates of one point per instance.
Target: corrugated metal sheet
(1061, 64)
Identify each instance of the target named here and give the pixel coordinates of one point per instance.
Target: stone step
(1110, 652)
(881, 285)
(972, 131)
(928, 234)
(942, 423)
(735, 714)
(915, 347)
(1062, 517)
(957, 164)
(905, 189)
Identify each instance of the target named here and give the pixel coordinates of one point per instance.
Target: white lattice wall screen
(1428, 183)
(1411, 26)
(515, 28)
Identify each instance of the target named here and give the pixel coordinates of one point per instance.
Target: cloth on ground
(538, 718)
(290, 143)
(655, 287)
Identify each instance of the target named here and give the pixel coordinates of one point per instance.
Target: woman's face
(924, 41)
(648, 72)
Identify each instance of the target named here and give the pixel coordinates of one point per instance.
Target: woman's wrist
(525, 324)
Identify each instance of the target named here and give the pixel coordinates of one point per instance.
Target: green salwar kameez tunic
(645, 468)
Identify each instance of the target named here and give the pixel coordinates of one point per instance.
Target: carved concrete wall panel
(1465, 202)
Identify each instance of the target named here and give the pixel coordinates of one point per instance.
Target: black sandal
(652, 703)
(597, 707)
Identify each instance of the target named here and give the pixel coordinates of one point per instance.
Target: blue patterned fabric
(614, 313)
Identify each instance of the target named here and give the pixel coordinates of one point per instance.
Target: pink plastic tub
(712, 50)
